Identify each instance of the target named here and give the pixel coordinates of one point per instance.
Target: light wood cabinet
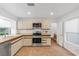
(45, 25)
(27, 42)
(49, 41)
(16, 46)
(19, 24)
(24, 24)
(27, 24)
(46, 42)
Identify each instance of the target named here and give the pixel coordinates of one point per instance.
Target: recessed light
(51, 13)
(29, 13)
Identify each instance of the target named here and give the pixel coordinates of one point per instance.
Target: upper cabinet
(45, 24)
(19, 24)
(28, 24)
(24, 24)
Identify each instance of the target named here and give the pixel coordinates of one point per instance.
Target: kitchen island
(18, 41)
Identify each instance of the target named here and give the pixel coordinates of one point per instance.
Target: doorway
(54, 31)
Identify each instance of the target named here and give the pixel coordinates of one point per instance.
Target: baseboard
(66, 49)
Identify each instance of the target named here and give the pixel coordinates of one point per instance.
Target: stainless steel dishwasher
(5, 49)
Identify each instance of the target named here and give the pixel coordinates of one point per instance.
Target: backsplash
(29, 32)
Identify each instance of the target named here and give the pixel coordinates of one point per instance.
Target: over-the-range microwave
(37, 25)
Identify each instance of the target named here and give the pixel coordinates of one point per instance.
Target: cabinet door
(19, 24)
(46, 42)
(25, 24)
(49, 41)
(16, 46)
(21, 42)
(45, 24)
(27, 42)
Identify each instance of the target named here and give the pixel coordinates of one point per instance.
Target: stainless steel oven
(36, 40)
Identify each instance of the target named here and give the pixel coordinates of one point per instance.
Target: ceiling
(40, 10)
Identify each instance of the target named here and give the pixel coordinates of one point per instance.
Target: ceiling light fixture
(51, 13)
(29, 13)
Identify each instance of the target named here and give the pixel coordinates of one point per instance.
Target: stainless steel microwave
(37, 25)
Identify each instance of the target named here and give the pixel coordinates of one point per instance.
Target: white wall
(7, 14)
(68, 45)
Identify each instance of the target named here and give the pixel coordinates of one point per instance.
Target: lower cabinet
(16, 46)
(27, 42)
(49, 42)
(20, 42)
(46, 42)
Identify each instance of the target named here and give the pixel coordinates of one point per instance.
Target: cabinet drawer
(46, 42)
(16, 46)
(27, 42)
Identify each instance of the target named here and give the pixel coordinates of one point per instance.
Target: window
(72, 31)
(5, 27)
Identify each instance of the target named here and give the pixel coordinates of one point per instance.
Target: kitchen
(29, 33)
(27, 28)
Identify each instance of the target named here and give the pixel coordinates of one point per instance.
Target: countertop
(11, 38)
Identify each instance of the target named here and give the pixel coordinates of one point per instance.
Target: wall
(7, 14)
(68, 45)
